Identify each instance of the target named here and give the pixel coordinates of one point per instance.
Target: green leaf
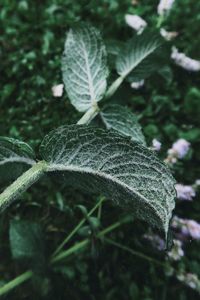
(84, 66)
(121, 119)
(139, 58)
(105, 162)
(15, 157)
(27, 242)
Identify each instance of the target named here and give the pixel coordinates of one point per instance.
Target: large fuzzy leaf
(15, 157)
(140, 57)
(106, 162)
(84, 66)
(122, 119)
(27, 242)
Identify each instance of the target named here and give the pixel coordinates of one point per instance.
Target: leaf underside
(15, 157)
(121, 119)
(84, 66)
(27, 242)
(102, 161)
(139, 58)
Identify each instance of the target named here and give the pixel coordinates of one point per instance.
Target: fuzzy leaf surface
(140, 57)
(15, 157)
(103, 161)
(84, 66)
(121, 119)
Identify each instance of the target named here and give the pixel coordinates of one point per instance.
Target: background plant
(158, 111)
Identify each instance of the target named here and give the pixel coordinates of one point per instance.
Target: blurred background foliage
(32, 35)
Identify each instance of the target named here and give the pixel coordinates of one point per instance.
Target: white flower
(168, 35)
(57, 90)
(164, 6)
(184, 61)
(190, 280)
(185, 192)
(197, 182)
(156, 145)
(176, 252)
(180, 148)
(136, 22)
(137, 85)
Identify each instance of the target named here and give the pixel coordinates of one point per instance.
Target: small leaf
(15, 157)
(104, 162)
(84, 66)
(121, 119)
(27, 242)
(139, 58)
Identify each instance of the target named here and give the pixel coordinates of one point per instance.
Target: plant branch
(89, 115)
(73, 232)
(64, 254)
(15, 282)
(21, 184)
(133, 252)
(114, 86)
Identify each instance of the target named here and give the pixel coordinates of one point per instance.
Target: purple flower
(135, 22)
(181, 147)
(184, 61)
(156, 145)
(176, 252)
(188, 228)
(156, 241)
(185, 192)
(164, 6)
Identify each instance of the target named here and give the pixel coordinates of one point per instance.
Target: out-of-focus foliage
(32, 37)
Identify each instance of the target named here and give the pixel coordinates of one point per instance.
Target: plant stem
(114, 86)
(160, 21)
(66, 240)
(89, 115)
(64, 254)
(138, 254)
(15, 282)
(21, 184)
(85, 242)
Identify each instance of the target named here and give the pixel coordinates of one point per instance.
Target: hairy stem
(21, 184)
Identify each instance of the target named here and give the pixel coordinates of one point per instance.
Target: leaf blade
(84, 66)
(121, 119)
(138, 58)
(15, 156)
(105, 162)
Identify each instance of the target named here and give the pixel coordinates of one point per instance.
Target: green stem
(64, 254)
(133, 252)
(114, 86)
(15, 282)
(22, 184)
(82, 244)
(72, 233)
(89, 115)
(161, 19)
